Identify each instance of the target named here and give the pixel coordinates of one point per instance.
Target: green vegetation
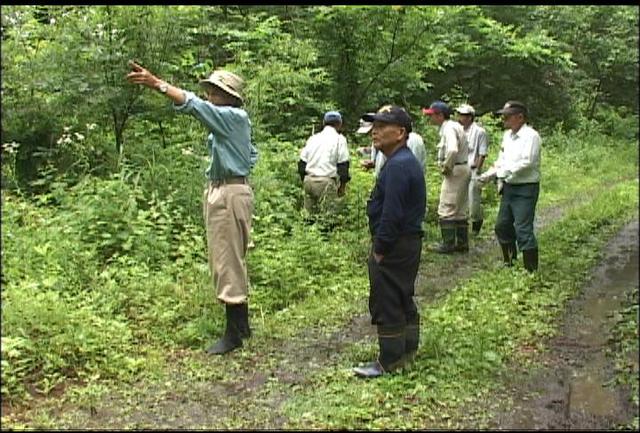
(469, 334)
(104, 274)
(625, 351)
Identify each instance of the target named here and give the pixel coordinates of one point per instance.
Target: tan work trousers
(475, 198)
(454, 194)
(227, 210)
(320, 193)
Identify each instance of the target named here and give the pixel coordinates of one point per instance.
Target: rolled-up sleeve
(483, 143)
(450, 146)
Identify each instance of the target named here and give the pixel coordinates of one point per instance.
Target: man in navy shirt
(396, 210)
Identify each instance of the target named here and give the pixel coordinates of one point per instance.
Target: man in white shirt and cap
(518, 172)
(478, 147)
(324, 165)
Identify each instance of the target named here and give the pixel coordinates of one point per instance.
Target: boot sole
(213, 351)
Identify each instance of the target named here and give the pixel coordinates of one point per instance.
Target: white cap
(466, 109)
(365, 127)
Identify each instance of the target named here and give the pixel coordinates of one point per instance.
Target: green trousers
(514, 222)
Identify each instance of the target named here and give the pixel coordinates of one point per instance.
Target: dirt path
(257, 382)
(573, 391)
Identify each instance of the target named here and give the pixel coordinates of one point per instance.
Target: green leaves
(104, 253)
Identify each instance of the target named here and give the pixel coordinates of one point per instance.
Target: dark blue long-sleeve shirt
(398, 201)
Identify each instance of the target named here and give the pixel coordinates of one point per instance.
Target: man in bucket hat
(228, 198)
(395, 209)
(518, 172)
(454, 192)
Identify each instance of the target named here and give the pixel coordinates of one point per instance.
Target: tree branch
(390, 61)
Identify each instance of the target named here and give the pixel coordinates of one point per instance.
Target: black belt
(229, 180)
(461, 163)
(522, 184)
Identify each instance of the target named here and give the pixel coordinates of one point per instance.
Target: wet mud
(574, 390)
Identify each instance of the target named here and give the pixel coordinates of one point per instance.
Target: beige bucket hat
(227, 81)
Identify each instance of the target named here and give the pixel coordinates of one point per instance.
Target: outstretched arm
(140, 75)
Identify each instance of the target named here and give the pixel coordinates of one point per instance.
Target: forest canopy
(63, 68)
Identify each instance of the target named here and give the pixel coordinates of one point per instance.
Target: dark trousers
(392, 283)
(516, 215)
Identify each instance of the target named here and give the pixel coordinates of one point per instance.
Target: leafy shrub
(39, 245)
(115, 217)
(48, 336)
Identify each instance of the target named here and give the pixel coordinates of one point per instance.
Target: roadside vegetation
(105, 284)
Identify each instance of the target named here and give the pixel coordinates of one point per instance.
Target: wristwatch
(163, 87)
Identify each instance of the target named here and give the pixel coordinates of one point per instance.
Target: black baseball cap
(513, 107)
(390, 114)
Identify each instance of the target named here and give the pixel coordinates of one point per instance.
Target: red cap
(437, 107)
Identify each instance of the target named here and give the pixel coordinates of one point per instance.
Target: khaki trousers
(227, 210)
(475, 198)
(454, 194)
(320, 193)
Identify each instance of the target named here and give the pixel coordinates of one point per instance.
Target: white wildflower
(10, 147)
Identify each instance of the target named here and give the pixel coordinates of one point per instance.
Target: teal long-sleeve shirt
(229, 141)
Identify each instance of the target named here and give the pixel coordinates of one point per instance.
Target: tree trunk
(117, 129)
(592, 109)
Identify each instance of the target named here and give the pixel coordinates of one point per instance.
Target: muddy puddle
(574, 391)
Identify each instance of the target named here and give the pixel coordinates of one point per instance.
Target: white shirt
(519, 157)
(323, 151)
(414, 143)
(477, 142)
(378, 159)
(452, 147)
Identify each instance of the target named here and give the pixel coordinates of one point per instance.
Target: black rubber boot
(530, 259)
(476, 226)
(509, 253)
(412, 339)
(462, 237)
(245, 330)
(392, 347)
(231, 339)
(448, 230)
